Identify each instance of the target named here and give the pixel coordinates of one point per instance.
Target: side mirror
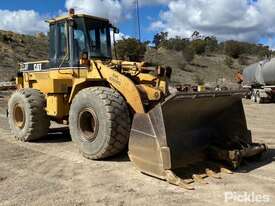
(116, 30)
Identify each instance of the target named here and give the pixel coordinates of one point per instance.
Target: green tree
(264, 51)
(196, 35)
(234, 48)
(199, 46)
(212, 43)
(160, 38)
(176, 43)
(188, 53)
(131, 49)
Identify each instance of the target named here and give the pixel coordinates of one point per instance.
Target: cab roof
(60, 18)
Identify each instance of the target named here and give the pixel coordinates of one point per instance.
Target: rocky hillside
(16, 48)
(210, 69)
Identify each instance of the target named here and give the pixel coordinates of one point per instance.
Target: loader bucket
(182, 130)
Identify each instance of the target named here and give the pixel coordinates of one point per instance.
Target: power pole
(138, 20)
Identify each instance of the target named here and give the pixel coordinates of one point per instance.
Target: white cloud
(130, 3)
(244, 20)
(22, 21)
(227, 19)
(115, 10)
(121, 36)
(111, 9)
(118, 36)
(271, 43)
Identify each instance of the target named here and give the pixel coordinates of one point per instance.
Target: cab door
(59, 45)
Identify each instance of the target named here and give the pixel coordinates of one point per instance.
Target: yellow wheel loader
(110, 105)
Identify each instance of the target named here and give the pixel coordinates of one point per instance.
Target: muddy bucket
(190, 128)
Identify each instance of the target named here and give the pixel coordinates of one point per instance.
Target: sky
(243, 20)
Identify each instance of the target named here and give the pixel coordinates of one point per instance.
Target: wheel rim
(19, 116)
(88, 124)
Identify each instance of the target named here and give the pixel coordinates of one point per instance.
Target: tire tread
(118, 117)
(39, 121)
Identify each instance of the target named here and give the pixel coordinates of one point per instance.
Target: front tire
(99, 122)
(27, 115)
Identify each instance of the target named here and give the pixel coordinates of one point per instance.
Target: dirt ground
(52, 172)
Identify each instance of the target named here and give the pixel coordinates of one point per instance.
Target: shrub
(199, 80)
(160, 38)
(188, 54)
(211, 44)
(228, 61)
(131, 49)
(199, 46)
(233, 49)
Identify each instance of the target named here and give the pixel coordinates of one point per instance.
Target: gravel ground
(52, 172)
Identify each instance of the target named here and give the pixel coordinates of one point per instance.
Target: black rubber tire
(37, 122)
(259, 100)
(114, 122)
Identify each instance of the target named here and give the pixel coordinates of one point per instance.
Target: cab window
(52, 42)
(103, 41)
(99, 41)
(79, 39)
(63, 40)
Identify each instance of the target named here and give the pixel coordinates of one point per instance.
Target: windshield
(93, 37)
(98, 41)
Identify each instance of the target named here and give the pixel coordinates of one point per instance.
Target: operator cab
(79, 36)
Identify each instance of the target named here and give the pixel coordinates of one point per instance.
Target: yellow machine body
(61, 85)
(169, 130)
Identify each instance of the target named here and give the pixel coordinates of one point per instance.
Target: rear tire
(27, 115)
(99, 122)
